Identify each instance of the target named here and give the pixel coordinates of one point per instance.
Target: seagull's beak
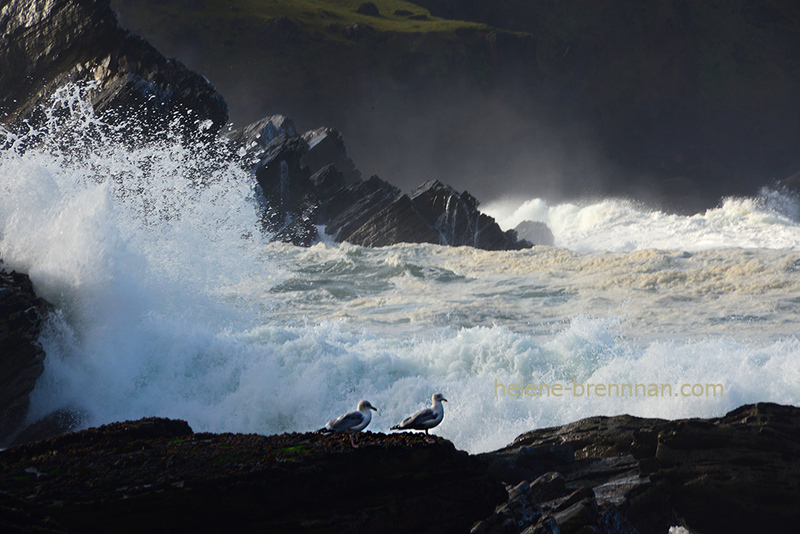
(444, 400)
(373, 408)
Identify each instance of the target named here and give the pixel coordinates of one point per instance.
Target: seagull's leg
(353, 443)
(428, 438)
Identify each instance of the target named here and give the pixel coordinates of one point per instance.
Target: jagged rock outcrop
(44, 45)
(256, 136)
(456, 218)
(21, 355)
(156, 475)
(370, 213)
(326, 146)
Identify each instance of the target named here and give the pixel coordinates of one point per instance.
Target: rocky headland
(621, 475)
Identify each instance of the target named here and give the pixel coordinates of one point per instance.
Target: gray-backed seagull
(351, 422)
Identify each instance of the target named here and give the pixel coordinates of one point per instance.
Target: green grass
(319, 15)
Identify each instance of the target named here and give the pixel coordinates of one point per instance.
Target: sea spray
(767, 221)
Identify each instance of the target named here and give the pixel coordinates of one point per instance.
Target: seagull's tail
(323, 430)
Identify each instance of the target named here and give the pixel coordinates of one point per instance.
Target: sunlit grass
(318, 15)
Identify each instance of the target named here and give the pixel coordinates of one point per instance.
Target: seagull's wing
(345, 422)
(420, 418)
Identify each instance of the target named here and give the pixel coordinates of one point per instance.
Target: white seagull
(352, 422)
(425, 419)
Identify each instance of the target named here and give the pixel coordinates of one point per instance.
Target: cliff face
(701, 89)
(47, 44)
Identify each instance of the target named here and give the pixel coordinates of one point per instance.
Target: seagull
(352, 422)
(425, 419)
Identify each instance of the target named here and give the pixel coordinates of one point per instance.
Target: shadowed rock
(369, 9)
(535, 232)
(156, 475)
(732, 474)
(326, 146)
(21, 355)
(48, 44)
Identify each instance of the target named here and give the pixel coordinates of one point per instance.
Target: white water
(171, 303)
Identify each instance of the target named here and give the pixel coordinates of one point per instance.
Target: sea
(169, 300)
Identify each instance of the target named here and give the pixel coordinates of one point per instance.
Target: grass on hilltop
(396, 16)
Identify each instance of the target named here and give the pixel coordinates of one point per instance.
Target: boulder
(732, 474)
(46, 45)
(535, 232)
(21, 356)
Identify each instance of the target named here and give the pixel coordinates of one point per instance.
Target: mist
(480, 112)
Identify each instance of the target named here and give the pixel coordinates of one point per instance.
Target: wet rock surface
(736, 473)
(21, 356)
(48, 44)
(370, 213)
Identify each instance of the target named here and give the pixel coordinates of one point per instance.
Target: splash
(767, 221)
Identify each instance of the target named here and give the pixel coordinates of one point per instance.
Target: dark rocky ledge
(156, 475)
(610, 475)
(21, 355)
(731, 474)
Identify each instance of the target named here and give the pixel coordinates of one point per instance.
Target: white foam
(769, 221)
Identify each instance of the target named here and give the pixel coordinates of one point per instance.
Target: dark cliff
(48, 44)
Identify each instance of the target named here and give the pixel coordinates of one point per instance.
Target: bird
(351, 422)
(425, 419)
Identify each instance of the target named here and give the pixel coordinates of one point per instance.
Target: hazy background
(668, 102)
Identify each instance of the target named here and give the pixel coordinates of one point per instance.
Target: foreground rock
(44, 45)
(731, 474)
(156, 475)
(21, 355)
(609, 475)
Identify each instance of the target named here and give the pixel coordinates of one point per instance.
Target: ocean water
(171, 302)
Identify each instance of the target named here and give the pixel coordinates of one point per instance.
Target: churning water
(171, 302)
